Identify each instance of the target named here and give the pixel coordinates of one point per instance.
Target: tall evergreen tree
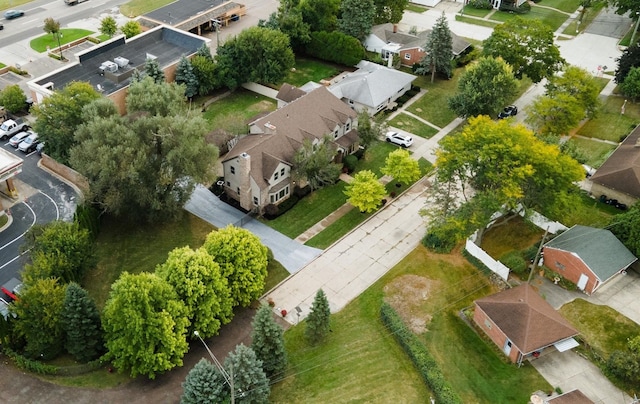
(357, 17)
(267, 341)
(204, 51)
(249, 380)
(439, 50)
(318, 325)
(186, 76)
(204, 384)
(81, 323)
(153, 70)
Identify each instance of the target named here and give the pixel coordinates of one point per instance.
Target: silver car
(29, 143)
(18, 138)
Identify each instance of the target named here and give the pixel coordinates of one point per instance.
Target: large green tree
(81, 323)
(38, 318)
(186, 76)
(200, 285)
(370, 129)
(204, 384)
(390, 10)
(505, 166)
(153, 70)
(578, 83)
(60, 114)
(356, 17)
(108, 26)
(145, 325)
(321, 15)
(59, 250)
(629, 59)
(131, 28)
(243, 260)
(344, 49)
(527, 45)
(289, 21)
(205, 70)
(631, 85)
(314, 163)
(438, 50)
(318, 322)
(626, 227)
(401, 166)
(554, 115)
(484, 87)
(249, 380)
(365, 192)
(267, 341)
(13, 99)
(257, 54)
(624, 6)
(149, 162)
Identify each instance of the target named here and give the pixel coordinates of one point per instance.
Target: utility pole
(228, 377)
(535, 261)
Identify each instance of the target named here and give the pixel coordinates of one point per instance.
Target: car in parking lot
(400, 140)
(510, 110)
(18, 138)
(11, 14)
(29, 143)
(12, 288)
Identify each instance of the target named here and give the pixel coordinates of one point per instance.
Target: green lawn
(412, 125)
(310, 70)
(568, 6)
(518, 234)
(40, 43)
(360, 362)
(12, 4)
(475, 12)
(594, 152)
(337, 229)
(476, 21)
(589, 212)
(610, 124)
(416, 8)
(552, 18)
(135, 8)
(433, 106)
(588, 18)
(374, 157)
(235, 110)
(309, 210)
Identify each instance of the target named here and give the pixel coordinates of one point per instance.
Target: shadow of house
(587, 256)
(522, 323)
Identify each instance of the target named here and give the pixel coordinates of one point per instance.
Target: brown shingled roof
(289, 93)
(621, 171)
(526, 318)
(571, 397)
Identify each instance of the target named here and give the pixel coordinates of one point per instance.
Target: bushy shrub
(512, 8)
(481, 4)
(288, 204)
(420, 356)
(88, 218)
(515, 262)
(301, 192)
(530, 253)
(350, 162)
(472, 53)
(335, 47)
(30, 365)
(271, 211)
(439, 240)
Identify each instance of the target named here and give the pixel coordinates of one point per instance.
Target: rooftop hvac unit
(108, 66)
(121, 62)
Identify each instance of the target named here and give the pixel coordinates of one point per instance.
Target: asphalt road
(42, 199)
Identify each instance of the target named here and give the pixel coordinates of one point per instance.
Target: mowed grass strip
(552, 18)
(338, 229)
(610, 123)
(135, 8)
(433, 106)
(412, 125)
(516, 234)
(375, 156)
(40, 43)
(309, 210)
(310, 70)
(594, 152)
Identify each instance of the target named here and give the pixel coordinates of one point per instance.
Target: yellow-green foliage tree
(365, 192)
(401, 167)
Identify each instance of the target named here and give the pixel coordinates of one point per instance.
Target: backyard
(49, 41)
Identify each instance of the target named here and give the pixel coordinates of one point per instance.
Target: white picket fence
(498, 267)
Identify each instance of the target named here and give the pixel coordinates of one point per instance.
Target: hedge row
(29, 364)
(420, 356)
(335, 47)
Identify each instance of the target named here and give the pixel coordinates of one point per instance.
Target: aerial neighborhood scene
(320, 201)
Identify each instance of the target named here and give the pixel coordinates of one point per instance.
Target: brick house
(587, 256)
(257, 169)
(522, 323)
(619, 176)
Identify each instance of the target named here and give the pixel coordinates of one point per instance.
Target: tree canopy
(200, 285)
(344, 49)
(356, 17)
(390, 10)
(401, 166)
(365, 192)
(204, 384)
(60, 114)
(484, 87)
(186, 76)
(148, 162)
(131, 28)
(624, 6)
(626, 227)
(321, 15)
(13, 99)
(314, 163)
(108, 26)
(249, 379)
(243, 260)
(631, 85)
(629, 59)
(145, 325)
(81, 323)
(318, 321)
(438, 50)
(267, 341)
(527, 45)
(257, 54)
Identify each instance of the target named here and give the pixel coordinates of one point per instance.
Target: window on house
(238, 190)
(272, 198)
(282, 172)
(255, 200)
(487, 323)
(233, 169)
(275, 176)
(281, 194)
(407, 56)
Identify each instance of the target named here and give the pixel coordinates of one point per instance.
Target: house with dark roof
(288, 93)
(619, 176)
(587, 256)
(257, 169)
(372, 87)
(108, 66)
(386, 40)
(522, 323)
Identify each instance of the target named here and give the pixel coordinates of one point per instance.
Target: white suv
(400, 140)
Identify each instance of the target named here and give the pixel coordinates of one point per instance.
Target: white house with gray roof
(372, 87)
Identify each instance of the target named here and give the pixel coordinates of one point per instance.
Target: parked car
(18, 138)
(588, 170)
(11, 14)
(510, 110)
(400, 140)
(12, 288)
(1, 26)
(29, 143)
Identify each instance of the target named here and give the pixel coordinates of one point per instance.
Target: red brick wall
(494, 332)
(555, 260)
(416, 56)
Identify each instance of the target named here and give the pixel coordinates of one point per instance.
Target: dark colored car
(11, 14)
(1, 26)
(508, 111)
